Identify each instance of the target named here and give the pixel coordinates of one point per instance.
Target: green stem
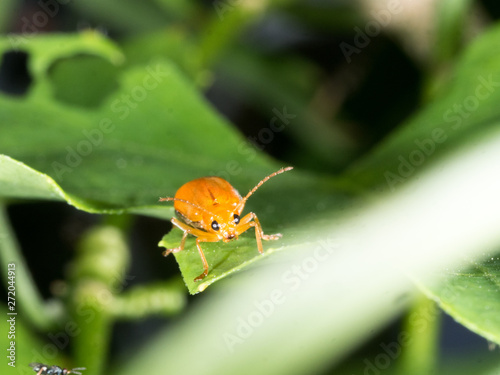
(28, 299)
(161, 298)
(93, 322)
(97, 280)
(97, 276)
(421, 329)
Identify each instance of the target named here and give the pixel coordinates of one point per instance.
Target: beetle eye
(236, 219)
(215, 225)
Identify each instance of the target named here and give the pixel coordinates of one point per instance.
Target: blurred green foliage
(162, 92)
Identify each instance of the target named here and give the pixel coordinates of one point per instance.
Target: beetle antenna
(190, 203)
(282, 170)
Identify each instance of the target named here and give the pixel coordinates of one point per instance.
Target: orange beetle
(210, 210)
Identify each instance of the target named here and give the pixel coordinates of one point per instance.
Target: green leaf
(95, 74)
(452, 17)
(45, 50)
(126, 16)
(342, 282)
(466, 112)
(173, 43)
(145, 140)
(180, 8)
(150, 147)
(17, 180)
(7, 8)
(471, 295)
(224, 259)
(466, 108)
(338, 279)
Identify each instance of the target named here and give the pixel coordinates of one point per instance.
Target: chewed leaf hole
(83, 80)
(15, 78)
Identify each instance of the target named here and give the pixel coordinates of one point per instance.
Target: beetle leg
(251, 220)
(204, 237)
(179, 225)
(177, 249)
(201, 235)
(187, 229)
(203, 259)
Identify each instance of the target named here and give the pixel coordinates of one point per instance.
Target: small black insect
(54, 370)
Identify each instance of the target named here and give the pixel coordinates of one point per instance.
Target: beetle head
(225, 225)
